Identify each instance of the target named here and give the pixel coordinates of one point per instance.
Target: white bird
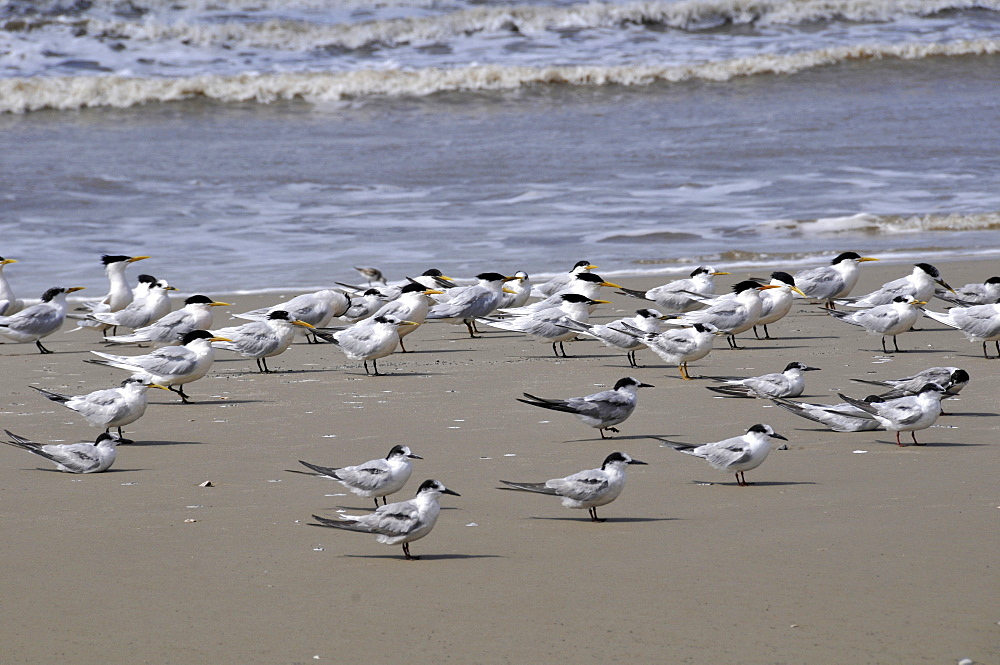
(9, 304)
(843, 417)
(375, 478)
(737, 455)
(171, 328)
(549, 325)
(119, 294)
(732, 314)
(979, 323)
(919, 284)
(111, 407)
(317, 309)
(905, 414)
(365, 305)
(559, 282)
(680, 346)
(790, 382)
(987, 293)
(517, 292)
(586, 489)
(467, 303)
(433, 278)
(83, 457)
(833, 281)
(33, 323)
(372, 275)
(171, 366)
(143, 310)
(626, 333)
(776, 303)
(366, 340)
(585, 284)
(953, 379)
(261, 340)
(398, 523)
(675, 296)
(413, 304)
(602, 410)
(889, 320)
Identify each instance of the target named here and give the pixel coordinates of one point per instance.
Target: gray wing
(979, 320)
(170, 360)
(105, 405)
(37, 319)
(470, 303)
(395, 519)
(724, 454)
(768, 385)
(368, 476)
(583, 486)
(905, 411)
(251, 339)
(820, 283)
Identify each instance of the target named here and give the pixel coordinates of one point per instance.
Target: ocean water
(266, 145)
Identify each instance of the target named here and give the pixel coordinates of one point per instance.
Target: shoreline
(833, 555)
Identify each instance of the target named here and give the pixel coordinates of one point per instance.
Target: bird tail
(797, 409)
(732, 391)
(346, 524)
(55, 397)
(540, 488)
(641, 295)
(325, 336)
(554, 404)
(677, 445)
(21, 442)
(940, 318)
(860, 403)
(881, 384)
(573, 324)
(321, 470)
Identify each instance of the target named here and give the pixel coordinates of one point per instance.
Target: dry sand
(833, 556)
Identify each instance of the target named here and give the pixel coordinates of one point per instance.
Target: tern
(261, 340)
(979, 323)
(776, 303)
(171, 366)
(9, 304)
(889, 320)
(143, 310)
(905, 414)
(170, 329)
(586, 489)
(33, 323)
(626, 334)
(517, 292)
(675, 296)
(119, 295)
(987, 293)
(365, 305)
(398, 523)
(83, 457)
(737, 455)
(586, 284)
(602, 410)
(317, 309)
(111, 407)
(559, 282)
(466, 304)
(681, 346)
(843, 417)
(731, 314)
(375, 478)
(366, 340)
(790, 382)
(953, 379)
(833, 281)
(413, 304)
(433, 278)
(549, 325)
(919, 284)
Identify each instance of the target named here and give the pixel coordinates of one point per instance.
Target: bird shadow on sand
(208, 402)
(424, 557)
(586, 519)
(139, 444)
(969, 414)
(755, 483)
(48, 470)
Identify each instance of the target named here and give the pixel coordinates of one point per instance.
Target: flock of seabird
(678, 322)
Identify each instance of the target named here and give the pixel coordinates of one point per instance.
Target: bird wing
(329, 472)
(38, 318)
(583, 486)
(724, 453)
(545, 403)
(541, 488)
(75, 457)
(168, 361)
(367, 476)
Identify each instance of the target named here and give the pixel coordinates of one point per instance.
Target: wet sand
(832, 556)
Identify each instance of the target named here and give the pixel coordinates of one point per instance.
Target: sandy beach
(847, 549)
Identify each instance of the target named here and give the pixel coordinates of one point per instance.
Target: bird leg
(471, 326)
(402, 346)
(755, 332)
(180, 391)
(767, 335)
(41, 348)
(684, 373)
(898, 443)
(732, 342)
(913, 434)
(406, 551)
(895, 344)
(631, 359)
(593, 514)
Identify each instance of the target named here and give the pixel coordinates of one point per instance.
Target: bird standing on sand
(111, 407)
(9, 304)
(737, 455)
(261, 340)
(626, 333)
(601, 410)
(366, 340)
(170, 329)
(171, 365)
(375, 478)
(833, 281)
(675, 296)
(465, 304)
(33, 323)
(119, 294)
(889, 320)
(413, 303)
(905, 414)
(586, 489)
(398, 523)
(560, 282)
(83, 457)
(776, 303)
(143, 310)
(919, 284)
(732, 314)
(979, 323)
(550, 324)
(316, 308)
